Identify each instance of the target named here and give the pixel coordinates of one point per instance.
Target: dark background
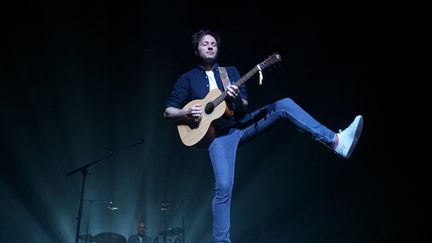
(82, 79)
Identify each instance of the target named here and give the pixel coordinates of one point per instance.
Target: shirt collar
(215, 67)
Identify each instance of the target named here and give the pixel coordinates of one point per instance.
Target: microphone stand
(84, 171)
(164, 208)
(183, 223)
(89, 216)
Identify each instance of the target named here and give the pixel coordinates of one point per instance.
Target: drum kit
(167, 235)
(171, 234)
(106, 237)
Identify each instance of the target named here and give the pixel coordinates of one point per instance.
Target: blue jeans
(223, 151)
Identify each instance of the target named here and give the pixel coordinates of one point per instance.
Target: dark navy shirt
(135, 239)
(194, 84)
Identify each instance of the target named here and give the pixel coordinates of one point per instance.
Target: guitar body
(201, 134)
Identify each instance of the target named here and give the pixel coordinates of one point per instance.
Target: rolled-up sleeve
(180, 93)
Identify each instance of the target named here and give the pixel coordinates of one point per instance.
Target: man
(140, 236)
(230, 131)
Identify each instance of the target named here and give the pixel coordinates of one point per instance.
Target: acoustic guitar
(200, 133)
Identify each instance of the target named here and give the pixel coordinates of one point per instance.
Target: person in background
(140, 236)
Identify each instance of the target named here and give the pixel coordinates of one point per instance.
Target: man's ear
(196, 52)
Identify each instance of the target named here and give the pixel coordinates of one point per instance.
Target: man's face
(141, 229)
(207, 48)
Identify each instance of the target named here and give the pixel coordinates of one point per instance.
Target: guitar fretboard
(269, 61)
(239, 82)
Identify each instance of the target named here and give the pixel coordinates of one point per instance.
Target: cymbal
(86, 237)
(172, 231)
(109, 236)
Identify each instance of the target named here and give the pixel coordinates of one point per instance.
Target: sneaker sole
(356, 137)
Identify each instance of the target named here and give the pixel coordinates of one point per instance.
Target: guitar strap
(226, 81)
(224, 76)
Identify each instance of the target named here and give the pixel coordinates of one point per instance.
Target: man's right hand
(195, 112)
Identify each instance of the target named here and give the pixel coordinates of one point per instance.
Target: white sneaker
(346, 140)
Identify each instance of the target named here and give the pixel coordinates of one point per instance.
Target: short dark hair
(199, 35)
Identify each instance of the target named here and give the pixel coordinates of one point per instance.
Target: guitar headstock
(274, 58)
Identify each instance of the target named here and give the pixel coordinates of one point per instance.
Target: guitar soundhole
(209, 108)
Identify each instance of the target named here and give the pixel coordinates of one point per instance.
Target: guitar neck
(243, 79)
(239, 82)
